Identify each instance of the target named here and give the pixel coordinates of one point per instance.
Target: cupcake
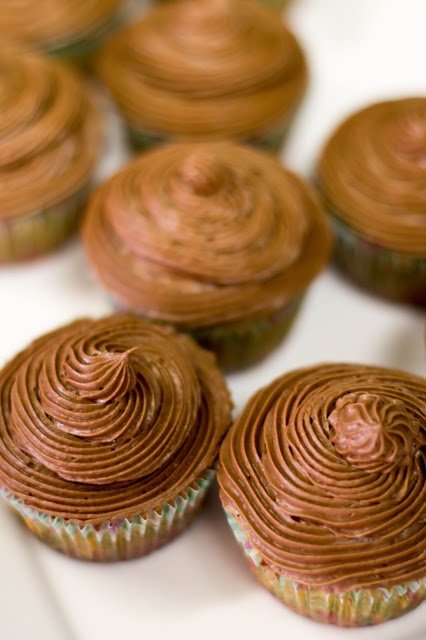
(70, 29)
(323, 480)
(49, 143)
(372, 174)
(202, 70)
(215, 238)
(109, 434)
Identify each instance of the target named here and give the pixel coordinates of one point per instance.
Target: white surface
(198, 587)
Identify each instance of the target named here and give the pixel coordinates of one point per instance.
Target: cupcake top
(106, 419)
(204, 233)
(48, 24)
(49, 133)
(327, 468)
(200, 68)
(372, 173)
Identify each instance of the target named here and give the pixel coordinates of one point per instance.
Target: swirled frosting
(326, 470)
(372, 174)
(204, 233)
(104, 419)
(202, 68)
(49, 133)
(48, 23)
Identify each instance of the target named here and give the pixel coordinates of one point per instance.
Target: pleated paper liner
(31, 235)
(241, 344)
(120, 539)
(351, 608)
(271, 140)
(387, 273)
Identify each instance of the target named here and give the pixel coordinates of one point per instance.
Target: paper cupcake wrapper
(119, 539)
(241, 344)
(385, 272)
(351, 608)
(271, 141)
(80, 50)
(31, 235)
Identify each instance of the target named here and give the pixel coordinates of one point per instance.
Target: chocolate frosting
(372, 173)
(326, 470)
(106, 419)
(49, 23)
(200, 68)
(204, 233)
(49, 133)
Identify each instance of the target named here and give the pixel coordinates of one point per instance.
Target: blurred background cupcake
(70, 29)
(205, 69)
(372, 175)
(216, 238)
(49, 144)
(109, 434)
(322, 478)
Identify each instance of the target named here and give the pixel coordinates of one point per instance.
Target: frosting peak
(104, 377)
(325, 471)
(103, 418)
(372, 173)
(373, 432)
(199, 234)
(200, 69)
(203, 173)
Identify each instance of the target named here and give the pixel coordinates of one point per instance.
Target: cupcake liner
(272, 140)
(119, 539)
(385, 272)
(240, 344)
(351, 608)
(81, 49)
(31, 235)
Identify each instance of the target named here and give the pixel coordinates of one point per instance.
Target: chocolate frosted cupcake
(215, 238)
(323, 480)
(372, 174)
(49, 143)
(109, 433)
(202, 69)
(71, 29)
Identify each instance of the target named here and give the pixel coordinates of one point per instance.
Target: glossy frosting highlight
(105, 419)
(186, 62)
(325, 470)
(198, 234)
(49, 133)
(372, 174)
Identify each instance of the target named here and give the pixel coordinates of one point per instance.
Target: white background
(198, 587)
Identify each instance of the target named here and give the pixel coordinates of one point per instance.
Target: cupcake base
(351, 608)
(121, 539)
(29, 236)
(80, 51)
(387, 273)
(271, 141)
(241, 344)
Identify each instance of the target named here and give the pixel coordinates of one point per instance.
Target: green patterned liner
(80, 50)
(272, 140)
(31, 235)
(351, 608)
(240, 344)
(121, 539)
(387, 273)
